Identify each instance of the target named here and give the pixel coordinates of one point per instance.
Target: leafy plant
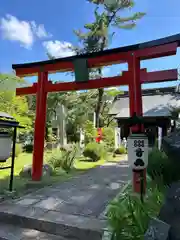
(28, 148)
(19, 149)
(69, 158)
(108, 137)
(120, 150)
(55, 159)
(128, 218)
(95, 151)
(63, 158)
(90, 132)
(161, 167)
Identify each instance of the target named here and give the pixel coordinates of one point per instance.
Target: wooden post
(135, 94)
(39, 128)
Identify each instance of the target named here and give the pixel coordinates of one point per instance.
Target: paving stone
(50, 203)
(115, 185)
(10, 232)
(98, 204)
(71, 208)
(34, 212)
(103, 215)
(158, 230)
(107, 235)
(72, 220)
(68, 209)
(27, 201)
(11, 209)
(81, 199)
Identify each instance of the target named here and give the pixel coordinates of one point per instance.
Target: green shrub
(55, 159)
(69, 158)
(63, 159)
(128, 218)
(110, 149)
(120, 150)
(90, 132)
(95, 151)
(28, 148)
(160, 166)
(108, 137)
(19, 149)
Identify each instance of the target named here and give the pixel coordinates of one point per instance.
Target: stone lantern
(8, 143)
(5, 140)
(5, 146)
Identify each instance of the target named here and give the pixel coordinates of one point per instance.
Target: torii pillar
(40, 125)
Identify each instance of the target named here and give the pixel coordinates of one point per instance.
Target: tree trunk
(99, 106)
(47, 132)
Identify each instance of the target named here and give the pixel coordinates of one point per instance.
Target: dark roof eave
(157, 117)
(161, 41)
(9, 124)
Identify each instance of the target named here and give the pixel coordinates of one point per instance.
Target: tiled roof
(154, 105)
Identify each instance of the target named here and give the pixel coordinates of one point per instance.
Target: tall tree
(15, 106)
(97, 34)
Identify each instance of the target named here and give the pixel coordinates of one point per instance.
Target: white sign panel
(138, 151)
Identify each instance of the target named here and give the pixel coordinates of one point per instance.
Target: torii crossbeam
(134, 77)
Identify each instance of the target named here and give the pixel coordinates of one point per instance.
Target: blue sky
(28, 29)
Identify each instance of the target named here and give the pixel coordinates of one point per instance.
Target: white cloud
(24, 32)
(39, 30)
(16, 30)
(59, 49)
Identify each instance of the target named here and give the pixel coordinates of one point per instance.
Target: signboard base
(139, 181)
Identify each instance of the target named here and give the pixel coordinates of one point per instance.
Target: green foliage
(108, 137)
(128, 217)
(95, 151)
(161, 167)
(97, 37)
(90, 132)
(19, 149)
(120, 150)
(15, 106)
(63, 158)
(69, 158)
(28, 148)
(55, 159)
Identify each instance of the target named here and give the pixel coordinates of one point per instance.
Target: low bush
(128, 218)
(120, 150)
(28, 148)
(19, 149)
(108, 137)
(63, 158)
(110, 149)
(160, 166)
(90, 132)
(95, 151)
(69, 158)
(55, 159)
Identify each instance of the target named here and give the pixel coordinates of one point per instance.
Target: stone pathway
(82, 200)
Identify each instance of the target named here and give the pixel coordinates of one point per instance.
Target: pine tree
(98, 34)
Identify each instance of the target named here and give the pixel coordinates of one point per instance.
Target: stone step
(12, 232)
(52, 222)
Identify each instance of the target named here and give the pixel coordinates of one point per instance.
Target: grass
(118, 158)
(23, 186)
(128, 217)
(85, 164)
(26, 185)
(20, 161)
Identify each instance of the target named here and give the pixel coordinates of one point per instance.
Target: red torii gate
(134, 77)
